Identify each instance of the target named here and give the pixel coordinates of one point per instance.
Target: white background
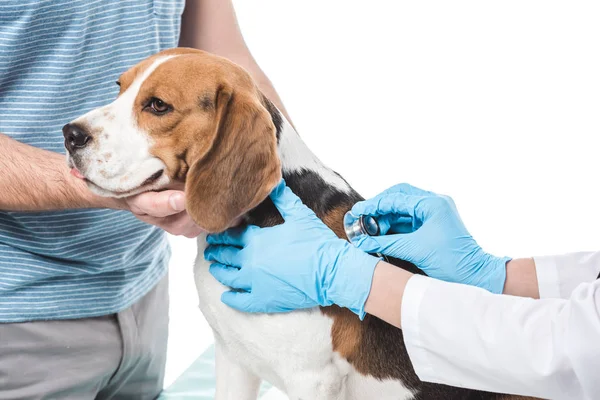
(494, 103)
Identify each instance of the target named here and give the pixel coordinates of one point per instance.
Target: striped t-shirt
(58, 60)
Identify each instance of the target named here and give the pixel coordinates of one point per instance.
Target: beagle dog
(184, 115)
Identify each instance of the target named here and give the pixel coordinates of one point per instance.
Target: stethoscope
(355, 226)
(360, 225)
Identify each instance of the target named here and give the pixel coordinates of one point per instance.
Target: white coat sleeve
(464, 336)
(558, 276)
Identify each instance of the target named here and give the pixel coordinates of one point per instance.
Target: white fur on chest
(292, 351)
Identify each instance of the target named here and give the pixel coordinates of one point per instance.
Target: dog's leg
(326, 383)
(234, 382)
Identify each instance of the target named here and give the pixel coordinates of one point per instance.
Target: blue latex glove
(298, 264)
(435, 240)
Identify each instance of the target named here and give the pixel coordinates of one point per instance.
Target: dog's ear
(241, 166)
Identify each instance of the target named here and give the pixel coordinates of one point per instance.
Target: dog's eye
(118, 83)
(157, 106)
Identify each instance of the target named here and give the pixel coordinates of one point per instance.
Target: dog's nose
(75, 137)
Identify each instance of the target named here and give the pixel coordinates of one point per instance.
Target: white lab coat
(550, 348)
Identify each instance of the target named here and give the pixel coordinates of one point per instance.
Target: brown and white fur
(215, 131)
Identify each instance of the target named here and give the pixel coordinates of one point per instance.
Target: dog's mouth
(75, 172)
(146, 185)
(153, 178)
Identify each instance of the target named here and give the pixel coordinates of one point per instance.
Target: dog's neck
(319, 187)
(297, 159)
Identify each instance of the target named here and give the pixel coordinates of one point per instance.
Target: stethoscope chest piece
(360, 225)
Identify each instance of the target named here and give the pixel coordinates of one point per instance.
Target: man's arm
(211, 25)
(33, 179)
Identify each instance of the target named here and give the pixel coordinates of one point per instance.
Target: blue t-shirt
(58, 60)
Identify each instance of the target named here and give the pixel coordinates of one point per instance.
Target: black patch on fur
(386, 354)
(317, 194)
(275, 116)
(206, 103)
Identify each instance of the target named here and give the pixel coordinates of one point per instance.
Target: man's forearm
(267, 88)
(33, 179)
(211, 25)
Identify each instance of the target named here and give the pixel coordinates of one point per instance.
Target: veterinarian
(524, 326)
(83, 287)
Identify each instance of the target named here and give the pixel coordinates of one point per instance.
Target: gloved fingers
(387, 203)
(450, 201)
(227, 255)
(288, 204)
(232, 277)
(395, 223)
(233, 237)
(242, 301)
(428, 207)
(419, 208)
(408, 189)
(404, 224)
(389, 245)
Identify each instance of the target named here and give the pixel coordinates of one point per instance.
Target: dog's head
(182, 115)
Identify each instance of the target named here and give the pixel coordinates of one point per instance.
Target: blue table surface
(198, 381)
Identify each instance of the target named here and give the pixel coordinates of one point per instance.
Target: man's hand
(164, 209)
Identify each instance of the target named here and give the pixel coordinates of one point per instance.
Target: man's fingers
(229, 276)
(193, 232)
(177, 224)
(233, 237)
(157, 204)
(227, 255)
(288, 204)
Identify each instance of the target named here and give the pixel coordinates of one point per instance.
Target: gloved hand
(298, 264)
(435, 240)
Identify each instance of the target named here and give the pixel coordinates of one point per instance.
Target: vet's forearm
(521, 278)
(211, 25)
(389, 282)
(387, 289)
(33, 179)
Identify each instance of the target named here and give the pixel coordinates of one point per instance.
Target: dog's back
(327, 353)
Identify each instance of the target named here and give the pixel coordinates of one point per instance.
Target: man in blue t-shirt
(83, 290)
